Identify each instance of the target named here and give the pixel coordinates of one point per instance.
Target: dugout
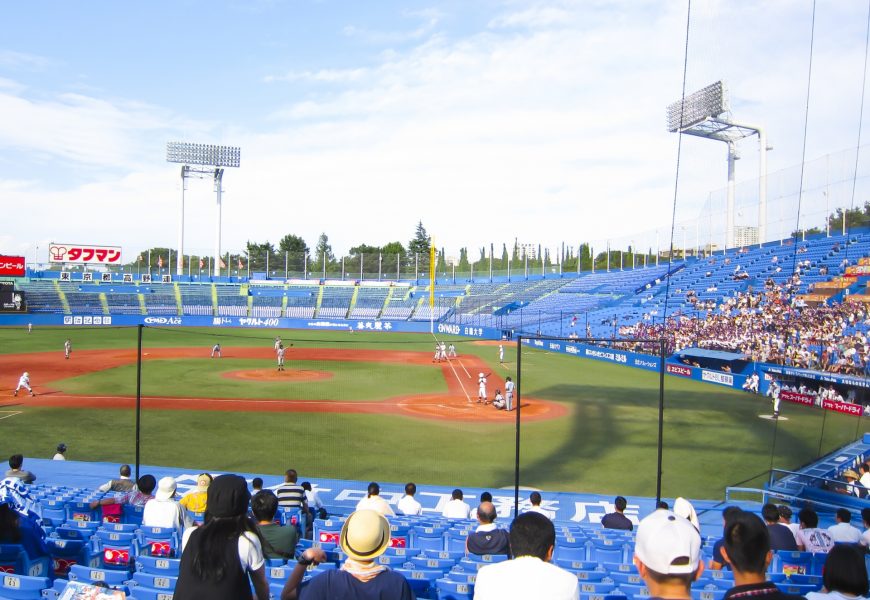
(717, 360)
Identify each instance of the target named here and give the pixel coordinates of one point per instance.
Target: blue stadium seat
(132, 514)
(454, 590)
(422, 581)
(597, 587)
(158, 541)
(708, 594)
(144, 580)
(110, 577)
(77, 530)
(455, 555)
(23, 587)
(792, 563)
(65, 553)
(158, 565)
(118, 549)
(82, 511)
(630, 578)
(577, 565)
(423, 562)
(428, 538)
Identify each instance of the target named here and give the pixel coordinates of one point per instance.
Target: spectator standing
(456, 507)
(487, 538)
(15, 463)
(163, 510)
(616, 519)
(407, 504)
(373, 501)
(279, 541)
(843, 530)
(844, 576)
(747, 550)
(364, 536)
(529, 574)
(220, 557)
(781, 537)
(667, 555)
(809, 537)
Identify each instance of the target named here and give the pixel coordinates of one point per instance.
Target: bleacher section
(196, 299)
(230, 302)
(41, 296)
(401, 303)
(335, 302)
(369, 302)
(301, 301)
(160, 299)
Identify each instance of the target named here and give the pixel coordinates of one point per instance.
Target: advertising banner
(797, 397)
(82, 254)
(843, 407)
(11, 266)
(681, 370)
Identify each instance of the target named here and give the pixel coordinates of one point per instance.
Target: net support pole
(518, 403)
(138, 391)
(661, 420)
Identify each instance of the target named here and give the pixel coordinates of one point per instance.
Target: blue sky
(488, 120)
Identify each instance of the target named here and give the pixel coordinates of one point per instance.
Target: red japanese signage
(12, 266)
(679, 370)
(844, 407)
(78, 253)
(797, 397)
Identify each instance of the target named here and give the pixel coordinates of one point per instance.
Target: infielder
(451, 350)
(437, 356)
(24, 382)
(280, 355)
(216, 349)
(442, 348)
(501, 354)
(481, 388)
(67, 348)
(508, 394)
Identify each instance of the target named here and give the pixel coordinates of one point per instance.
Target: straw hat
(365, 535)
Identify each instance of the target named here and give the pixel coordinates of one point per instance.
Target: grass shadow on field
(711, 440)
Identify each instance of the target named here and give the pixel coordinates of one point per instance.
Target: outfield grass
(607, 443)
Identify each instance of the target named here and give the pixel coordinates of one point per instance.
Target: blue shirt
(330, 585)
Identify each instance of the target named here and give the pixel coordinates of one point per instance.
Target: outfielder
(501, 354)
(24, 382)
(67, 348)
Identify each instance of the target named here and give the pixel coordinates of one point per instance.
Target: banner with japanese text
(84, 254)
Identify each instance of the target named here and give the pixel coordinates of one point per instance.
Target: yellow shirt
(194, 501)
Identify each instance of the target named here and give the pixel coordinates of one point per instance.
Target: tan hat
(165, 488)
(365, 535)
(851, 473)
(202, 482)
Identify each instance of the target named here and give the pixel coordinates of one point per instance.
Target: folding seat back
(158, 565)
(82, 511)
(22, 587)
(118, 549)
(454, 590)
(87, 574)
(158, 541)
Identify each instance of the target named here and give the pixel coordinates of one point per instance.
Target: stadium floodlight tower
(200, 161)
(706, 114)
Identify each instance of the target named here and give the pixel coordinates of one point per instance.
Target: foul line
(12, 413)
(455, 374)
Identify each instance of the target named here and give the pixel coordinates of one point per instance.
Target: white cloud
(22, 60)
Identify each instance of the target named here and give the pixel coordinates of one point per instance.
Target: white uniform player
(498, 402)
(280, 355)
(501, 354)
(67, 348)
(24, 382)
(481, 389)
(216, 350)
(509, 394)
(451, 351)
(442, 349)
(437, 356)
(278, 344)
(29, 327)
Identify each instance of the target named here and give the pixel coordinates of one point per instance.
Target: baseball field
(373, 405)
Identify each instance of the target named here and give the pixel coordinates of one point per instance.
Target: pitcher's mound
(275, 375)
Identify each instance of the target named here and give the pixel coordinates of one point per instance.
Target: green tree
(420, 243)
(322, 249)
(463, 265)
(296, 249)
(441, 265)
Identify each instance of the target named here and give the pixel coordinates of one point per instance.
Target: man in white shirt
(535, 499)
(373, 501)
(59, 455)
(163, 510)
(809, 537)
(456, 508)
(865, 475)
(529, 574)
(407, 505)
(844, 531)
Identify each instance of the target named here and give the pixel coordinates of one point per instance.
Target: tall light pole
(207, 160)
(706, 114)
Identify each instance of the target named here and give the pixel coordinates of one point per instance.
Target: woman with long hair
(220, 556)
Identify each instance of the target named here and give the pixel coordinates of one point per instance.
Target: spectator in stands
(407, 504)
(484, 497)
(16, 528)
(487, 538)
(122, 484)
(61, 450)
(15, 470)
(747, 550)
(219, 557)
(456, 507)
(257, 484)
(312, 498)
(717, 562)
(865, 517)
(667, 554)
(137, 496)
(365, 535)
(785, 516)
(291, 494)
(535, 501)
(163, 510)
(809, 537)
(529, 574)
(373, 501)
(278, 541)
(781, 537)
(843, 530)
(865, 474)
(844, 575)
(853, 487)
(616, 519)
(196, 501)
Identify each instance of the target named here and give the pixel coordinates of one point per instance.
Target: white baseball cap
(668, 544)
